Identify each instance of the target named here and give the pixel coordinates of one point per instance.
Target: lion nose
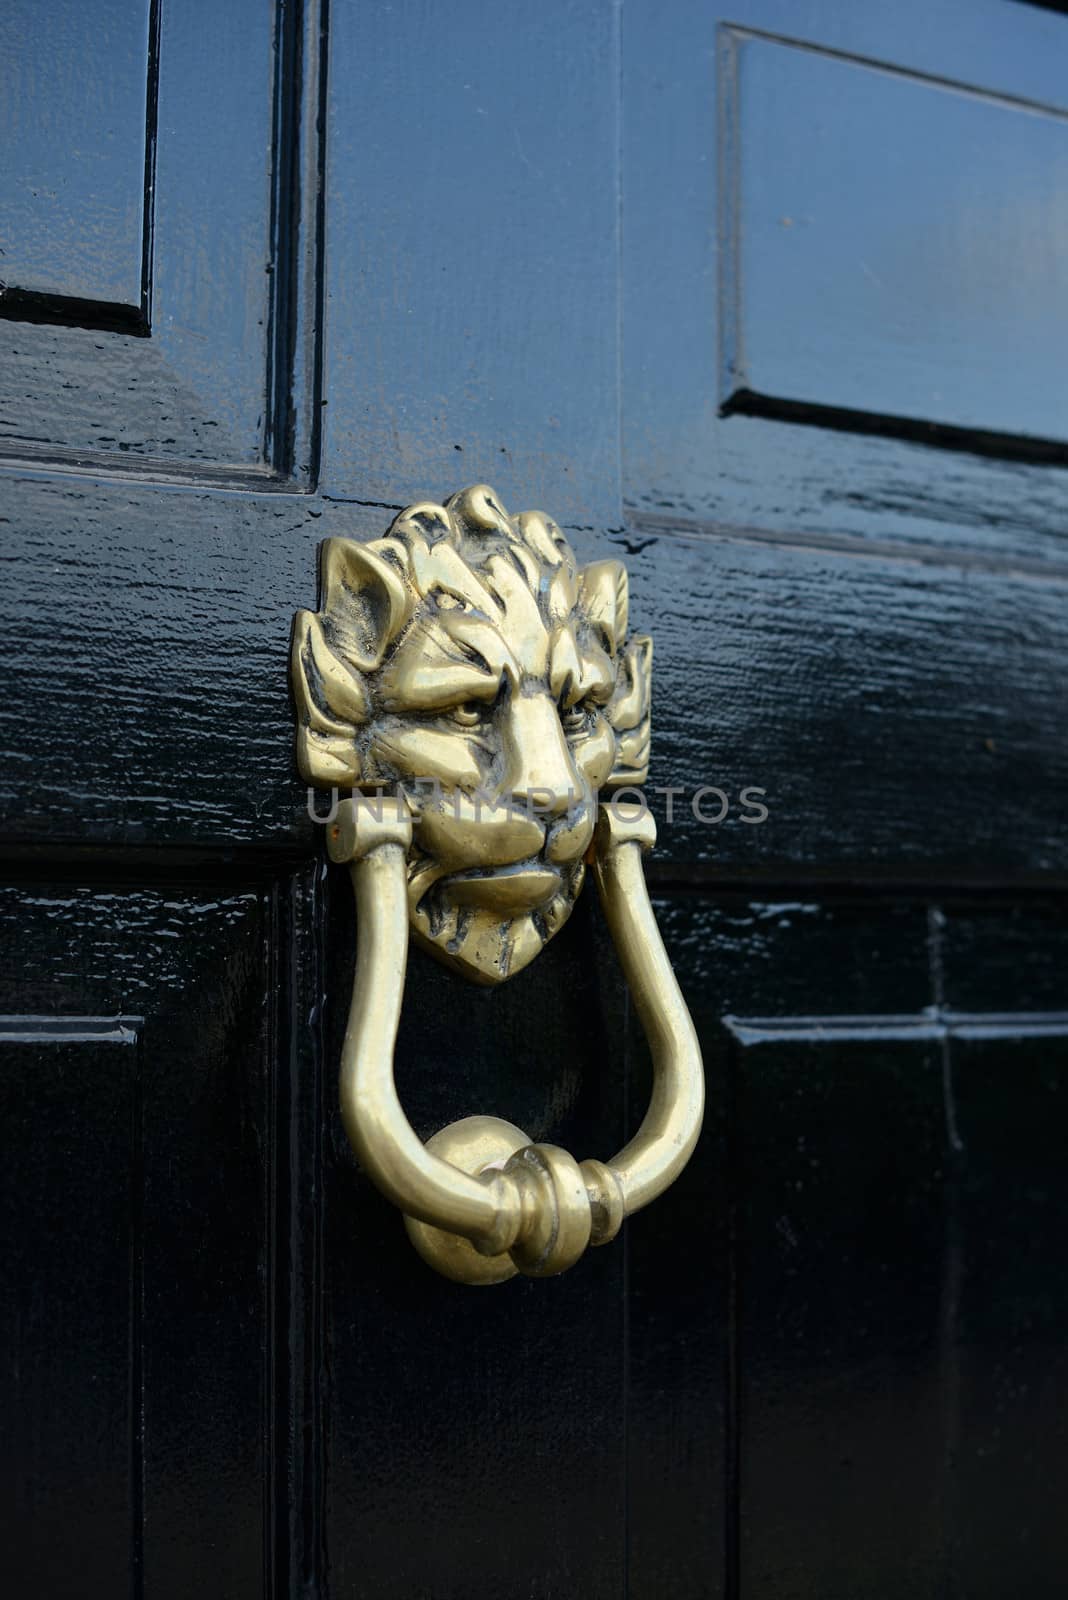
(539, 774)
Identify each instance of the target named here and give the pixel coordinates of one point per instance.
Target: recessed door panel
(900, 245)
(75, 95)
(136, 1219)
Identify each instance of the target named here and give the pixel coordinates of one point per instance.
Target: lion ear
(628, 714)
(331, 703)
(365, 602)
(604, 599)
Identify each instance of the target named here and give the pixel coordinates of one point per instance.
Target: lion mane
(411, 622)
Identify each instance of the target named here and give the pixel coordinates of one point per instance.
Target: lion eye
(574, 719)
(468, 715)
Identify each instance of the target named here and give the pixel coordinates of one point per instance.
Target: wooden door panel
(699, 276)
(149, 633)
(918, 286)
(912, 759)
(1014, 961)
(473, 261)
(839, 1155)
(1006, 1384)
(478, 1433)
(866, 1342)
(74, 98)
(172, 341)
(138, 1226)
(72, 1429)
(690, 1378)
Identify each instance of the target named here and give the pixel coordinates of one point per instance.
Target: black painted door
(771, 303)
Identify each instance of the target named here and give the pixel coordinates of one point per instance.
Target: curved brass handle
(480, 1201)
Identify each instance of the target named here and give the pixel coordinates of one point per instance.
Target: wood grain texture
(148, 635)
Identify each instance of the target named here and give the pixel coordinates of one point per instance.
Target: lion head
(468, 661)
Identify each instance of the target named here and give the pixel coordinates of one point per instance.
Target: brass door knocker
(477, 691)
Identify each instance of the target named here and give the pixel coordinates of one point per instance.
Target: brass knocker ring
(481, 1202)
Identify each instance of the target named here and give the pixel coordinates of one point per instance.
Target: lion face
(466, 660)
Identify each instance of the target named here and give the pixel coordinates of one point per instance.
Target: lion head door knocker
(477, 691)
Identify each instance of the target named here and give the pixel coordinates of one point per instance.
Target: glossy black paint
(472, 309)
(832, 1361)
(222, 390)
(137, 1229)
(78, 109)
(870, 1345)
(681, 458)
(830, 255)
(502, 1432)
